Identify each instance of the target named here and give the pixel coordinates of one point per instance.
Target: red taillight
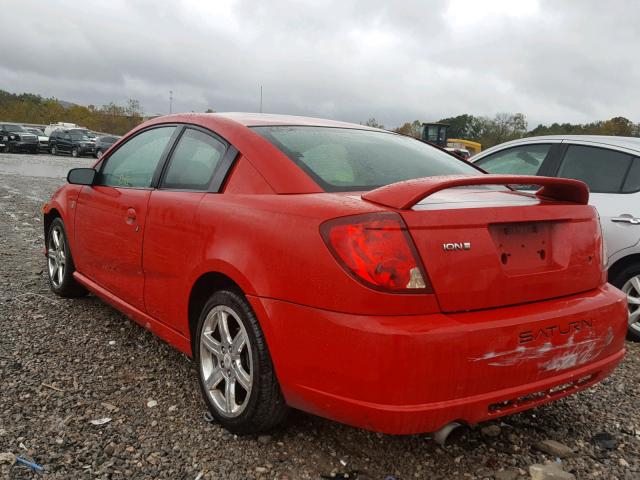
(377, 250)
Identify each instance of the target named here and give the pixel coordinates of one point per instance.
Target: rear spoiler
(404, 195)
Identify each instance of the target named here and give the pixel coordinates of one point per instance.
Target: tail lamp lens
(377, 250)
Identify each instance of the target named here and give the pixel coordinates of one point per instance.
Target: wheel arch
(206, 284)
(48, 217)
(621, 264)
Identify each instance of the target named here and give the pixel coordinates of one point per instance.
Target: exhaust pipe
(441, 436)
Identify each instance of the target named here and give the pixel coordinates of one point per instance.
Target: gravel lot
(64, 363)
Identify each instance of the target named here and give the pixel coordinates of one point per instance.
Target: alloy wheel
(226, 362)
(56, 256)
(632, 289)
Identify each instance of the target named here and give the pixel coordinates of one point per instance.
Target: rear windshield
(343, 159)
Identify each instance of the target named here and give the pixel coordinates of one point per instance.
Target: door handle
(625, 219)
(131, 216)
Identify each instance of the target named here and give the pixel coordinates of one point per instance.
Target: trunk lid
(491, 247)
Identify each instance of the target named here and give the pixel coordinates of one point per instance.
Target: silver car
(611, 168)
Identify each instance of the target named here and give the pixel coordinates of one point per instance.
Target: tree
(501, 128)
(209, 110)
(372, 122)
(413, 129)
(618, 126)
(463, 126)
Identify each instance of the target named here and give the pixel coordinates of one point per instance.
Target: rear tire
(98, 154)
(60, 264)
(628, 280)
(235, 372)
(74, 152)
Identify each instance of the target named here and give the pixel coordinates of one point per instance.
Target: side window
(603, 170)
(193, 161)
(632, 183)
(521, 160)
(135, 162)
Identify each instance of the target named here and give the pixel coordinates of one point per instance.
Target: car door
(173, 235)
(613, 177)
(64, 144)
(111, 215)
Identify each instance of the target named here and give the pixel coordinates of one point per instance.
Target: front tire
(60, 264)
(99, 154)
(235, 372)
(628, 280)
(74, 152)
(53, 150)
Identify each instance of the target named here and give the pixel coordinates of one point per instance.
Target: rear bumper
(412, 374)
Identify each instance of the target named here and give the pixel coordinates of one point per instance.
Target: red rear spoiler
(404, 195)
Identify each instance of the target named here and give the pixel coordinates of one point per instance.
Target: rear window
(632, 183)
(603, 170)
(342, 159)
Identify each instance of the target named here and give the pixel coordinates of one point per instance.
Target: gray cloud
(350, 60)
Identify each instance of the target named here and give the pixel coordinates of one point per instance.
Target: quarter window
(193, 161)
(135, 162)
(603, 170)
(522, 160)
(632, 183)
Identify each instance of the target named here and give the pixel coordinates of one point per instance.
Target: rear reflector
(377, 250)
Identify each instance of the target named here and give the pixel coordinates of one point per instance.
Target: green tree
(411, 129)
(372, 122)
(463, 126)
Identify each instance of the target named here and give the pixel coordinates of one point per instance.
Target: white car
(611, 168)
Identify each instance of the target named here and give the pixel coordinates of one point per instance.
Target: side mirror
(82, 176)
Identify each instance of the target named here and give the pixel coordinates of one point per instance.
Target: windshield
(342, 159)
(13, 128)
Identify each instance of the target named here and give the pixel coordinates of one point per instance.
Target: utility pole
(260, 98)
(170, 102)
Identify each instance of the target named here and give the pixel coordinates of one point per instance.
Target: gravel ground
(64, 363)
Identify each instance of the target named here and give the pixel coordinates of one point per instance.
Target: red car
(346, 271)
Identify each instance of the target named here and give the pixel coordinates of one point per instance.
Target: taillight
(378, 251)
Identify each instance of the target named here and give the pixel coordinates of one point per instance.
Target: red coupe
(347, 271)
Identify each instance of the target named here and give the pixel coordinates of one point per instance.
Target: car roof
(271, 119)
(632, 143)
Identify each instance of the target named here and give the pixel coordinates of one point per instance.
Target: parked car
(74, 141)
(43, 140)
(301, 267)
(17, 139)
(103, 142)
(611, 168)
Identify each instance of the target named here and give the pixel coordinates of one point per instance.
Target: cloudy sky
(351, 60)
